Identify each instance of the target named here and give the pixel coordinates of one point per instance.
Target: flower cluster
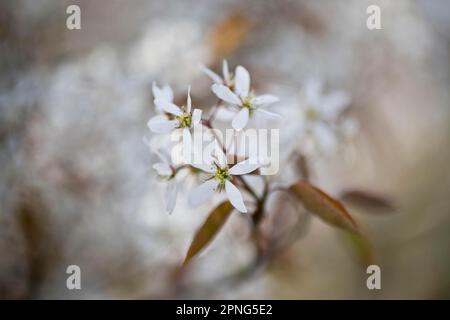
(318, 117)
(235, 94)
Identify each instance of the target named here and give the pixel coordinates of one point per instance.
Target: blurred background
(76, 183)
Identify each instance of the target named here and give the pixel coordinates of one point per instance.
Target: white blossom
(320, 113)
(174, 117)
(221, 176)
(240, 96)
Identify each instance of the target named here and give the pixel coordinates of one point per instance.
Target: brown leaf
(304, 16)
(319, 203)
(368, 200)
(209, 229)
(228, 35)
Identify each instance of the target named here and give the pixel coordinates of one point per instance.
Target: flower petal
(225, 71)
(269, 113)
(265, 100)
(202, 193)
(161, 156)
(189, 101)
(225, 94)
(167, 93)
(187, 145)
(313, 90)
(235, 196)
(240, 120)
(196, 116)
(171, 195)
(214, 76)
(220, 155)
(168, 107)
(242, 82)
(245, 167)
(160, 124)
(164, 93)
(325, 137)
(333, 104)
(225, 114)
(163, 169)
(206, 167)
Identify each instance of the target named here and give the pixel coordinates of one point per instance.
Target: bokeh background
(76, 184)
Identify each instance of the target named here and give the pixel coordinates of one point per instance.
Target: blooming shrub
(319, 121)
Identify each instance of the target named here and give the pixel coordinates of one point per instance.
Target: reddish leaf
(319, 203)
(368, 200)
(209, 229)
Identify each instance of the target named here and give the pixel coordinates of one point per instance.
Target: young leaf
(361, 247)
(209, 229)
(319, 203)
(368, 200)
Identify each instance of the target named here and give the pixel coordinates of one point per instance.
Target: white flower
(320, 113)
(243, 98)
(221, 176)
(227, 79)
(174, 117)
(166, 172)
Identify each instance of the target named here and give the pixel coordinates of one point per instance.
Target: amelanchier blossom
(174, 117)
(236, 91)
(320, 113)
(221, 177)
(167, 172)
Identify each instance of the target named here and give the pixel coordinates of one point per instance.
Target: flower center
(311, 114)
(247, 102)
(185, 120)
(222, 175)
